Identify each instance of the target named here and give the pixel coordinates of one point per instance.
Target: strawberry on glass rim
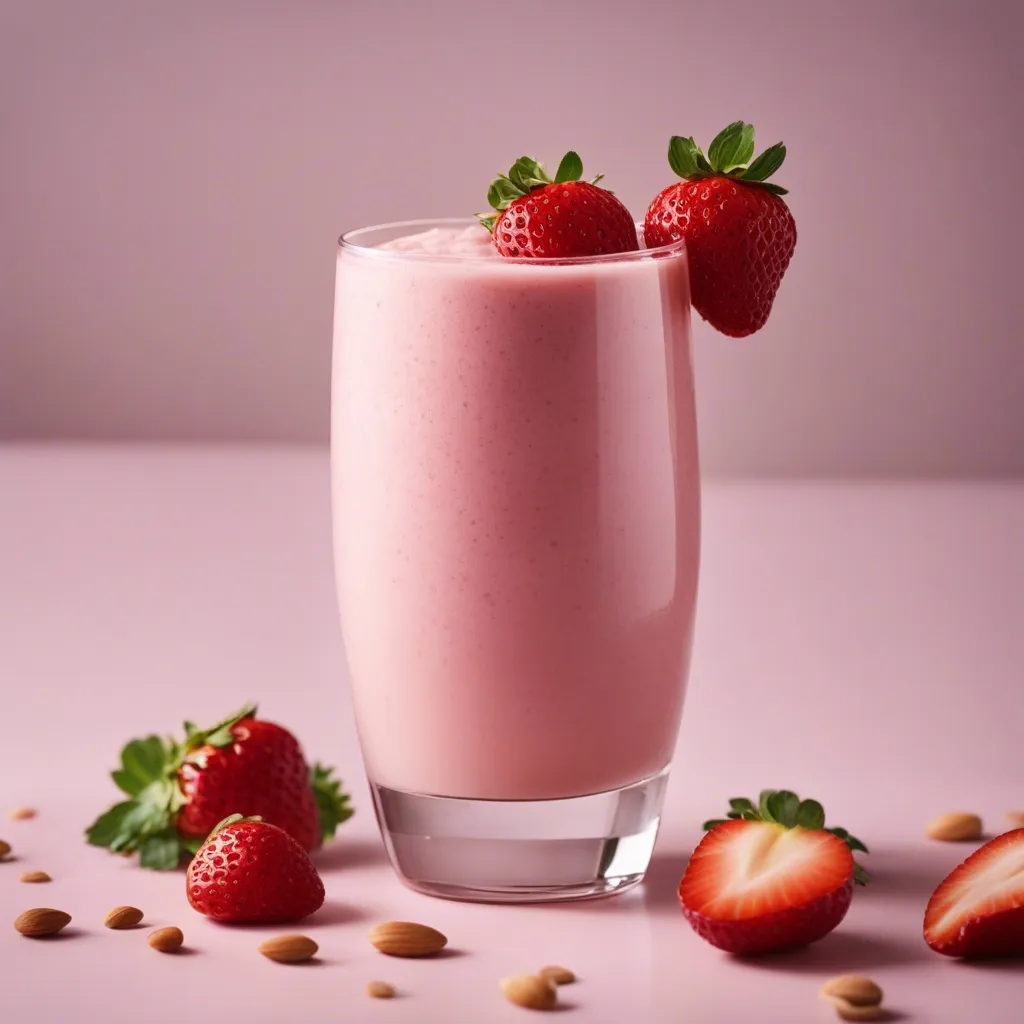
(771, 877)
(179, 790)
(740, 235)
(539, 217)
(977, 911)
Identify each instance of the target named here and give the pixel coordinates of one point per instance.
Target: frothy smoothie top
(468, 241)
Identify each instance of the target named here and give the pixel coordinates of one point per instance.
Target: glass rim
(349, 242)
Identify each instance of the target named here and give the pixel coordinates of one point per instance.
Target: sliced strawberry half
(978, 909)
(759, 887)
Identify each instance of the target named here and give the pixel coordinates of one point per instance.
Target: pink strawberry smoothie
(516, 512)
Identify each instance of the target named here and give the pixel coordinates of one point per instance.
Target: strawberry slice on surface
(977, 911)
(539, 217)
(770, 878)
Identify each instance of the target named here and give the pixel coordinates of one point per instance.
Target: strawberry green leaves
(148, 774)
(785, 808)
(525, 175)
(732, 148)
(332, 803)
(730, 154)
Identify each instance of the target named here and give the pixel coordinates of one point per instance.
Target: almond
(850, 1011)
(405, 938)
(41, 921)
(530, 991)
(380, 990)
(21, 814)
(35, 876)
(289, 949)
(854, 989)
(559, 975)
(166, 940)
(123, 917)
(955, 827)
(5, 848)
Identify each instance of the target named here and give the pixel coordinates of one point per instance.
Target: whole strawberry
(739, 233)
(179, 791)
(249, 871)
(542, 218)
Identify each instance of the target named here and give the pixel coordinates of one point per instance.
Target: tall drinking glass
(516, 507)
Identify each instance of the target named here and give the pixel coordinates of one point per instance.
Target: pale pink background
(173, 176)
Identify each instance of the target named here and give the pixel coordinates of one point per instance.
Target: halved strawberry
(978, 909)
(772, 878)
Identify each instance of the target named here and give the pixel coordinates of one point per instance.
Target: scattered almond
(41, 922)
(22, 814)
(955, 827)
(5, 848)
(530, 991)
(166, 940)
(850, 1011)
(35, 876)
(559, 975)
(854, 989)
(1016, 820)
(380, 990)
(405, 938)
(123, 917)
(289, 949)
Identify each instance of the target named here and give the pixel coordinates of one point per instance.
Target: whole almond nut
(123, 917)
(41, 922)
(5, 848)
(289, 949)
(406, 938)
(559, 975)
(1016, 820)
(380, 990)
(530, 991)
(955, 827)
(850, 1011)
(166, 940)
(35, 876)
(21, 814)
(854, 989)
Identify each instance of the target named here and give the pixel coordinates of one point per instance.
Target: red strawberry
(771, 879)
(978, 909)
(180, 791)
(541, 218)
(251, 871)
(740, 235)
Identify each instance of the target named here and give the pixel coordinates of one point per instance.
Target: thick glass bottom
(522, 851)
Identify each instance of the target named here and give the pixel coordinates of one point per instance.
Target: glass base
(522, 851)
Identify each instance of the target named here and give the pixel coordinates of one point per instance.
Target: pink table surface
(861, 643)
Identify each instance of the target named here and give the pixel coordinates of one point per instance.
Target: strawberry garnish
(978, 909)
(179, 791)
(739, 232)
(543, 218)
(770, 878)
(249, 871)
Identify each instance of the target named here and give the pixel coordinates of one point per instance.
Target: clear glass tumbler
(516, 503)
